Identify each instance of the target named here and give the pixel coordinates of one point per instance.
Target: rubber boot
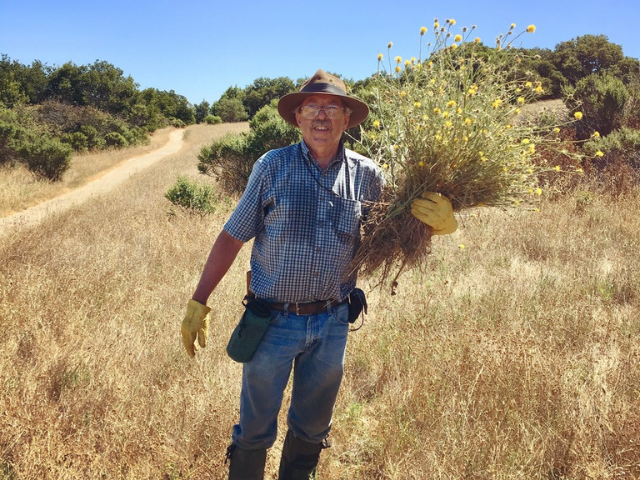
(246, 464)
(299, 458)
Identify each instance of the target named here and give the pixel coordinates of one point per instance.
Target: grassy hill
(514, 354)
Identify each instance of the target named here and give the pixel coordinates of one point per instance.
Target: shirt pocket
(345, 218)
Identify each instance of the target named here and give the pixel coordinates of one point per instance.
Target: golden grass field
(515, 354)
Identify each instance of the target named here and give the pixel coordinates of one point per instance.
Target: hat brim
(288, 104)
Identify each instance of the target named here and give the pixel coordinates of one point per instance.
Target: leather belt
(309, 308)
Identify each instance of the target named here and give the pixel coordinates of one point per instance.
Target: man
(302, 204)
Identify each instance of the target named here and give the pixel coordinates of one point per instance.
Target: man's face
(321, 133)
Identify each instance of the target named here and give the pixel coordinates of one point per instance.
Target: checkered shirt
(305, 222)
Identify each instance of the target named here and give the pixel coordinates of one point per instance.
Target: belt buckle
(298, 308)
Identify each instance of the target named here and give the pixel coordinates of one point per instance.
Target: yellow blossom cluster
(453, 125)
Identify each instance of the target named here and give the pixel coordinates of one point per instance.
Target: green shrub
(615, 160)
(212, 119)
(115, 139)
(231, 158)
(10, 134)
(601, 98)
(46, 157)
(191, 196)
(76, 140)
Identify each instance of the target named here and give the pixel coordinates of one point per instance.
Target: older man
(302, 205)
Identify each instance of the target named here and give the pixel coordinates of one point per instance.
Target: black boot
(299, 458)
(246, 464)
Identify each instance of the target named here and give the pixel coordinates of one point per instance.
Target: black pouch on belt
(357, 302)
(246, 336)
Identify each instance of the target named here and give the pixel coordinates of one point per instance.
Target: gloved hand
(195, 325)
(436, 211)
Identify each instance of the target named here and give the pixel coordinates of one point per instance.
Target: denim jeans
(314, 346)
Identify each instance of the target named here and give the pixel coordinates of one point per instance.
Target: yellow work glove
(195, 325)
(436, 211)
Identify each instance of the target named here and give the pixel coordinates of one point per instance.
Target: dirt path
(34, 215)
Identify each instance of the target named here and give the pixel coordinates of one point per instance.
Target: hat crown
(324, 82)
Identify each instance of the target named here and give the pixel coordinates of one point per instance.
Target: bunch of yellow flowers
(449, 123)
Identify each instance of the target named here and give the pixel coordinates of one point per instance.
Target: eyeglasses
(309, 112)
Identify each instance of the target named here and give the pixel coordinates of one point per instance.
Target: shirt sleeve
(247, 219)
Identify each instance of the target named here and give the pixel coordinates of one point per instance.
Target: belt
(309, 308)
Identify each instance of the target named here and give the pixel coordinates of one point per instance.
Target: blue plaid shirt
(305, 221)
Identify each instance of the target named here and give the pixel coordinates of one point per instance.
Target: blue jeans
(314, 346)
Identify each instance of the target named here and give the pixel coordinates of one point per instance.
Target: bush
(76, 140)
(615, 163)
(192, 197)
(9, 138)
(46, 157)
(115, 139)
(212, 119)
(230, 159)
(601, 98)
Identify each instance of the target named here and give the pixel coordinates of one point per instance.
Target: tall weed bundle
(449, 124)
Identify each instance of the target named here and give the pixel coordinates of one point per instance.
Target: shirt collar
(339, 156)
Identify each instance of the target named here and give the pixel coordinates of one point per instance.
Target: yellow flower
(380, 57)
(538, 191)
(496, 103)
(417, 104)
(476, 40)
(531, 28)
(445, 114)
(421, 163)
(398, 59)
(578, 115)
(557, 169)
(448, 124)
(385, 166)
(436, 25)
(398, 69)
(599, 153)
(596, 135)
(403, 94)
(528, 85)
(413, 59)
(556, 130)
(457, 38)
(407, 63)
(437, 111)
(539, 89)
(376, 123)
(532, 149)
(520, 100)
(473, 89)
(517, 110)
(451, 103)
(459, 111)
(513, 25)
(451, 21)
(579, 170)
(423, 30)
(454, 46)
(461, 246)
(525, 141)
(390, 45)
(468, 121)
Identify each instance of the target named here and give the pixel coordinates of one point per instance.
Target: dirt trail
(34, 215)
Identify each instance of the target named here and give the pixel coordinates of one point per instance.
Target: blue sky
(200, 48)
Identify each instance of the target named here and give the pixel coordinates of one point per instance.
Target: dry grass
(515, 357)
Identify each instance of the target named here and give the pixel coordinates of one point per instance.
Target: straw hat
(322, 83)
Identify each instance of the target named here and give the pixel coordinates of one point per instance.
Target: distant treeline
(47, 112)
